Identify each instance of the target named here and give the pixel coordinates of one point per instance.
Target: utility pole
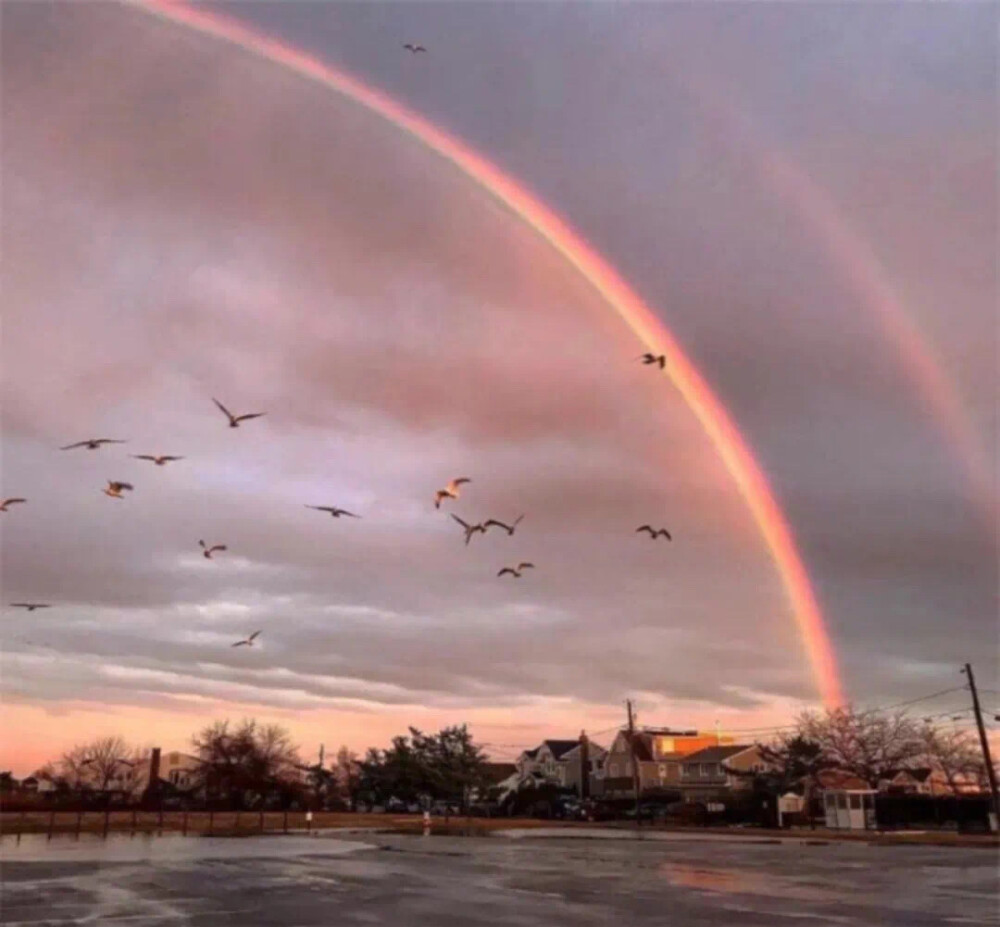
(984, 743)
(635, 764)
(584, 766)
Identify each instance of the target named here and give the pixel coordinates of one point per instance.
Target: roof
(497, 772)
(532, 753)
(918, 775)
(668, 732)
(560, 747)
(716, 754)
(840, 779)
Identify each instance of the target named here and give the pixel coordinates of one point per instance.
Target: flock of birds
(451, 491)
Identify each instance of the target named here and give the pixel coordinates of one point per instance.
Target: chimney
(153, 785)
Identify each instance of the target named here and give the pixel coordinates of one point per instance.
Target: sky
(806, 196)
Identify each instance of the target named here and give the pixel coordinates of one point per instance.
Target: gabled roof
(532, 753)
(560, 747)
(716, 754)
(643, 744)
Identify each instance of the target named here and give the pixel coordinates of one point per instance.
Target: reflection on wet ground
(743, 882)
(412, 881)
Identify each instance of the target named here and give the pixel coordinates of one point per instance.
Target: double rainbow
(728, 442)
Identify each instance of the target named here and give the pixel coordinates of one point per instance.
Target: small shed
(850, 809)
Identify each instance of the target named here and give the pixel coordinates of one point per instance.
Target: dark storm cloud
(186, 221)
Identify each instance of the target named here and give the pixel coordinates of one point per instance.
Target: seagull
(208, 551)
(115, 488)
(234, 420)
(469, 529)
(660, 359)
(508, 528)
(333, 510)
(450, 491)
(248, 642)
(30, 606)
(654, 533)
(410, 47)
(159, 460)
(6, 502)
(516, 571)
(91, 444)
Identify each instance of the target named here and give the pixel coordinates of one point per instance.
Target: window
(855, 802)
(841, 801)
(662, 770)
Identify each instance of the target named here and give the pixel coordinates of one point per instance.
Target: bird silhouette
(115, 488)
(6, 502)
(649, 358)
(159, 459)
(208, 551)
(450, 491)
(469, 529)
(30, 606)
(410, 47)
(516, 571)
(491, 522)
(247, 642)
(654, 533)
(234, 420)
(91, 444)
(333, 510)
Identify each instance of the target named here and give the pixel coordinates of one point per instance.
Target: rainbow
(849, 251)
(712, 416)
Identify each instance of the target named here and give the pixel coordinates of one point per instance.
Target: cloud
(182, 221)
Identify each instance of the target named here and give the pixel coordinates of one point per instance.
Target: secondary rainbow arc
(709, 411)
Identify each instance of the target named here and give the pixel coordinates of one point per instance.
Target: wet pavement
(529, 881)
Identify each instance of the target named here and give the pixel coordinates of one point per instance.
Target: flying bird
(450, 491)
(469, 529)
(91, 444)
(115, 488)
(516, 571)
(159, 460)
(654, 533)
(333, 510)
(660, 359)
(234, 420)
(410, 47)
(208, 551)
(6, 502)
(489, 523)
(248, 642)
(30, 606)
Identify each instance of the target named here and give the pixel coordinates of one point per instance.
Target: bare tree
(246, 763)
(955, 753)
(100, 765)
(347, 772)
(868, 744)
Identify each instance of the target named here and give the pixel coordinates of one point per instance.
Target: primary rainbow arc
(714, 419)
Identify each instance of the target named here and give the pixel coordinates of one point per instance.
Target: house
(926, 780)
(176, 768)
(715, 772)
(658, 753)
(559, 762)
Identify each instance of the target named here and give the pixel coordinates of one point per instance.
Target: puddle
(124, 848)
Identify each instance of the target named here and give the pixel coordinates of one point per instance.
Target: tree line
(249, 765)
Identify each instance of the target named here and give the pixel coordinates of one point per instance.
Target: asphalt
(516, 881)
